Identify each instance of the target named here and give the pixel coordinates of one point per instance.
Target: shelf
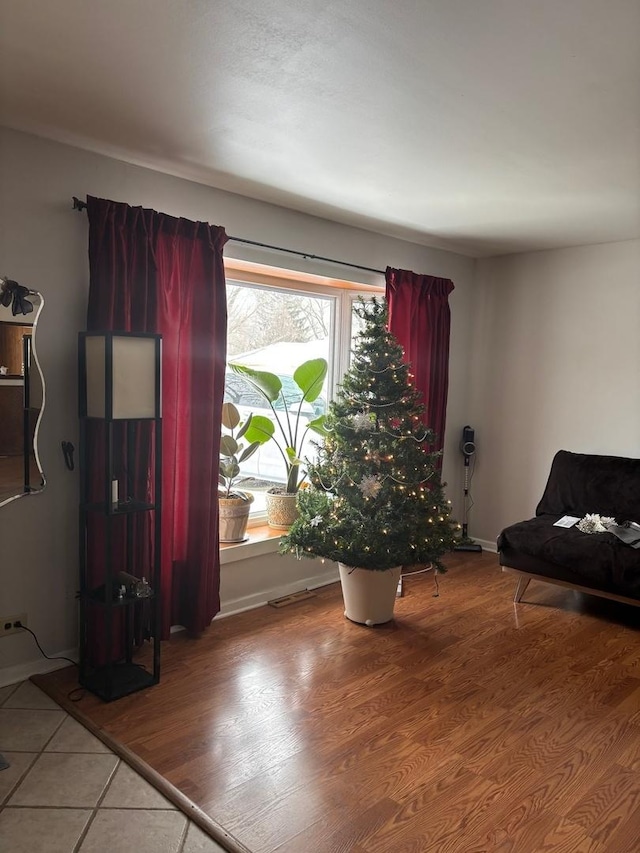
(260, 540)
(119, 373)
(121, 509)
(126, 678)
(94, 598)
(100, 419)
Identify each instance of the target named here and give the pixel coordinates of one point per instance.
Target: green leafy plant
(289, 427)
(232, 451)
(375, 498)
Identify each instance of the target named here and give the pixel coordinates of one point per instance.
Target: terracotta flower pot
(369, 596)
(233, 514)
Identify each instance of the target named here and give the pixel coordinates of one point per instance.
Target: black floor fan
(468, 449)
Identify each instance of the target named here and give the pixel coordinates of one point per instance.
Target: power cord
(417, 572)
(428, 568)
(18, 624)
(472, 469)
(77, 693)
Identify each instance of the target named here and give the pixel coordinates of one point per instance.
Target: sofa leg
(523, 583)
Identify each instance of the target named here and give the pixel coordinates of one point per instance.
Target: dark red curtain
(150, 272)
(420, 318)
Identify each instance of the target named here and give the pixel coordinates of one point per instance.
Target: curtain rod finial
(79, 205)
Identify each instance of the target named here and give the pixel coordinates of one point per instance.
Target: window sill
(260, 540)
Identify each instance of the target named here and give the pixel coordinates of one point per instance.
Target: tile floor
(66, 792)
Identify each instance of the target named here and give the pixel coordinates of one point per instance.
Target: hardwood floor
(469, 724)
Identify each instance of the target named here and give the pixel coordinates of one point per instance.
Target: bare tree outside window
(258, 317)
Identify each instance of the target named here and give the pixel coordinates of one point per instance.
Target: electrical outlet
(9, 624)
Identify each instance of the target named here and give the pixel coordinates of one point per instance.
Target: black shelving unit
(120, 526)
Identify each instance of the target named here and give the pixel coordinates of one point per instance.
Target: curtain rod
(81, 205)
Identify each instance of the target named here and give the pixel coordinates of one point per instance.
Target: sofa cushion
(581, 483)
(598, 560)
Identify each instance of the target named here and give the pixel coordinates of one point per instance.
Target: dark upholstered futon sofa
(597, 563)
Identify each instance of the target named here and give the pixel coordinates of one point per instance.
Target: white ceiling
(487, 126)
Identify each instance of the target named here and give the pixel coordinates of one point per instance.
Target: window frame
(344, 292)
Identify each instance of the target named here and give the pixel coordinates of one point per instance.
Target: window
(276, 321)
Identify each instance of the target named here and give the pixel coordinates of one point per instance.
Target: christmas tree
(375, 499)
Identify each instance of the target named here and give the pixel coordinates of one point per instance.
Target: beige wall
(555, 364)
(43, 245)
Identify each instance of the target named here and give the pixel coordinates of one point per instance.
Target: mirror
(22, 392)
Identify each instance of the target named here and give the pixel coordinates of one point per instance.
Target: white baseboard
(249, 602)
(13, 674)
(487, 545)
(23, 671)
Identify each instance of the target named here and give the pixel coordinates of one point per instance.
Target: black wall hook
(67, 451)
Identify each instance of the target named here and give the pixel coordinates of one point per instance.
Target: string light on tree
(375, 472)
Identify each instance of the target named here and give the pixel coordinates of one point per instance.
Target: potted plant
(288, 429)
(234, 505)
(375, 502)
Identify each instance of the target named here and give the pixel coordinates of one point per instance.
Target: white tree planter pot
(369, 596)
